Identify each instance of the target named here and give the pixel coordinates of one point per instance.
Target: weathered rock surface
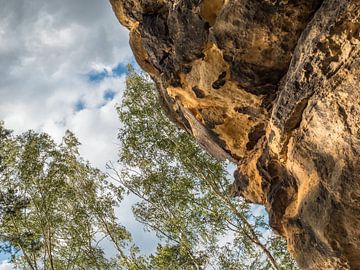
(273, 85)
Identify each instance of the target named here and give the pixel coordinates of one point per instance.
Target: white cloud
(47, 50)
(4, 265)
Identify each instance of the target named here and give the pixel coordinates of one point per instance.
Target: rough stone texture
(272, 85)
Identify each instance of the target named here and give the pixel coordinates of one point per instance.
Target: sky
(62, 66)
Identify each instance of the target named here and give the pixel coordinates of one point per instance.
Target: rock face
(273, 85)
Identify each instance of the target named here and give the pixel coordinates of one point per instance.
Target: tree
(184, 193)
(55, 209)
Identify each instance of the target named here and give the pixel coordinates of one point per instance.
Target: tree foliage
(184, 193)
(55, 209)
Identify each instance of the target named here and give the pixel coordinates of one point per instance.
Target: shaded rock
(272, 85)
(258, 39)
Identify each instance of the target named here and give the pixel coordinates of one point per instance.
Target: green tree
(55, 209)
(184, 194)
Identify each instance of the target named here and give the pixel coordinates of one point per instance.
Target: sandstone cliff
(273, 85)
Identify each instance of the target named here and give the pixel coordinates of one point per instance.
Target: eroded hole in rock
(213, 116)
(255, 78)
(254, 136)
(251, 111)
(295, 120)
(220, 81)
(207, 26)
(198, 92)
(175, 81)
(186, 69)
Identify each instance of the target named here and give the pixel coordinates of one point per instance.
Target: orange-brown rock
(273, 85)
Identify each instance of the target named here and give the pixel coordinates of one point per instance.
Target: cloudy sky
(62, 65)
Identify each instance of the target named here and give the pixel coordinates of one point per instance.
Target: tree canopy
(55, 209)
(184, 193)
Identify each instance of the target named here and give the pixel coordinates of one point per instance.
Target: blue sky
(62, 64)
(96, 76)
